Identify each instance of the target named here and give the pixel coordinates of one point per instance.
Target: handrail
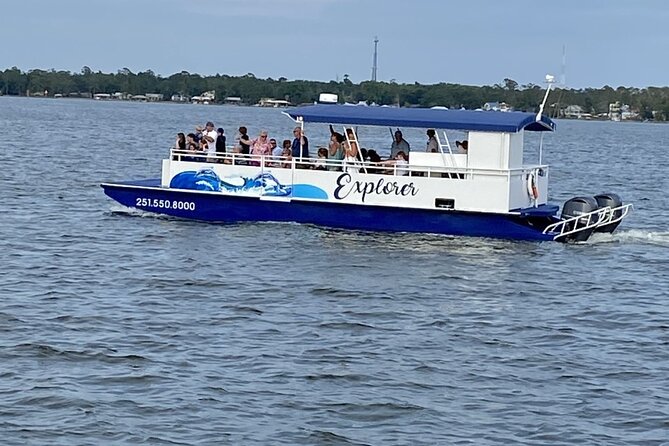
(605, 216)
(587, 220)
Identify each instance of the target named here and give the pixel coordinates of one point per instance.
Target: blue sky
(475, 42)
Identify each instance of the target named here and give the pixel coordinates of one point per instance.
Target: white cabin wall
(489, 150)
(515, 150)
(166, 176)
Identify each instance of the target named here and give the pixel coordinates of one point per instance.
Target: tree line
(650, 103)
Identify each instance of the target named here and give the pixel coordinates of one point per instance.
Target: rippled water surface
(135, 329)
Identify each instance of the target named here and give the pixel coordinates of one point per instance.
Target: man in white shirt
(210, 135)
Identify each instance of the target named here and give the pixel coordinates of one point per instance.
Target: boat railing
(599, 217)
(270, 161)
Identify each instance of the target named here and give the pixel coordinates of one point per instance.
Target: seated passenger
(260, 147)
(276, 150)
(238, 156)
(192, 147)
(287, 157)
(400, 164)
(321, 162)
(373, 158)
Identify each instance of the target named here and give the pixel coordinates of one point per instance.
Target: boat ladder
(600, 217)
(352, 137)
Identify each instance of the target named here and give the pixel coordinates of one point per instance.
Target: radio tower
(376, 44)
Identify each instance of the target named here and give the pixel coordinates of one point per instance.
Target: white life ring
(532, 188)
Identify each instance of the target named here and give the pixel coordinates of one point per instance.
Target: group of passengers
(342, 152)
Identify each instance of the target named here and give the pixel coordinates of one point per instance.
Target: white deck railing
(269, 161)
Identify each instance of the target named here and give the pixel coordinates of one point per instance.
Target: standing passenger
(220, 141)
(432, 143)
(399, 144)
(300, 146)
(244, 140)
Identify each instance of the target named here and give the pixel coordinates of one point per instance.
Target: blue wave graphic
(264, 184)
(309, 191)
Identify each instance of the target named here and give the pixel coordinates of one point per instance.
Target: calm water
(118, 329)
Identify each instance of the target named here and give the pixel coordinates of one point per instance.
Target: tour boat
(486, 192)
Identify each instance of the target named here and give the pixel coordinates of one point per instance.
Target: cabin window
(444, 203)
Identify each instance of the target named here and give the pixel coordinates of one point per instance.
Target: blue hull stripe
(217, 207)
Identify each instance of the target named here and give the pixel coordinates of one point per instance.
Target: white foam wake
(636, 236)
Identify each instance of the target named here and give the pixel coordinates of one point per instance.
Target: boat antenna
(550, 79)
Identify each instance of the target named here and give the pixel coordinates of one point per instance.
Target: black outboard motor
(575, 207)
(613, 201)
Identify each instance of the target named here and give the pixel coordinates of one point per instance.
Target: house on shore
(268, 102)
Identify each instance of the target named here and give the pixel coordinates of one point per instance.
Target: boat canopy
(471, 120)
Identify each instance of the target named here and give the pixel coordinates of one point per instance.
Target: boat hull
(148, 195)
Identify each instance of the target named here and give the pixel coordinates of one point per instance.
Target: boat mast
(550, 79)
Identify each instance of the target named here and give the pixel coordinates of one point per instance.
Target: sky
(473, 42)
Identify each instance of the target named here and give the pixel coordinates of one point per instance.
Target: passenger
(238, 156)
(351, 152)
(180, 143)
(300, 146)
(287, 155)
(276, 150)
(192, 146)
(336, 149)
(209, 135)
(198, 133)
(462, 146)
(321, 162)
(400, 164)
(220, 142)
(432, 143)
(260, 147)
(244, 141)
(179, 146)
(399, 143)
(191, 138)
(373, 159)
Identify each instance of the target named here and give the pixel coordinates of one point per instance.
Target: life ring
(532, 189)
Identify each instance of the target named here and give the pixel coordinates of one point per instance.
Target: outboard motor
(613, 201)
(575, 207)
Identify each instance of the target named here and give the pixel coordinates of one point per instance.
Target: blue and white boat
(486, 192)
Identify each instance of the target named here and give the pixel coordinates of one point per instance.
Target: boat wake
(135, 212)
(632, 236)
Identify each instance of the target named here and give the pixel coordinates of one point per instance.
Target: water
(120, 329)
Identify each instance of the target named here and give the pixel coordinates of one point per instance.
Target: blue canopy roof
(483, 121)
